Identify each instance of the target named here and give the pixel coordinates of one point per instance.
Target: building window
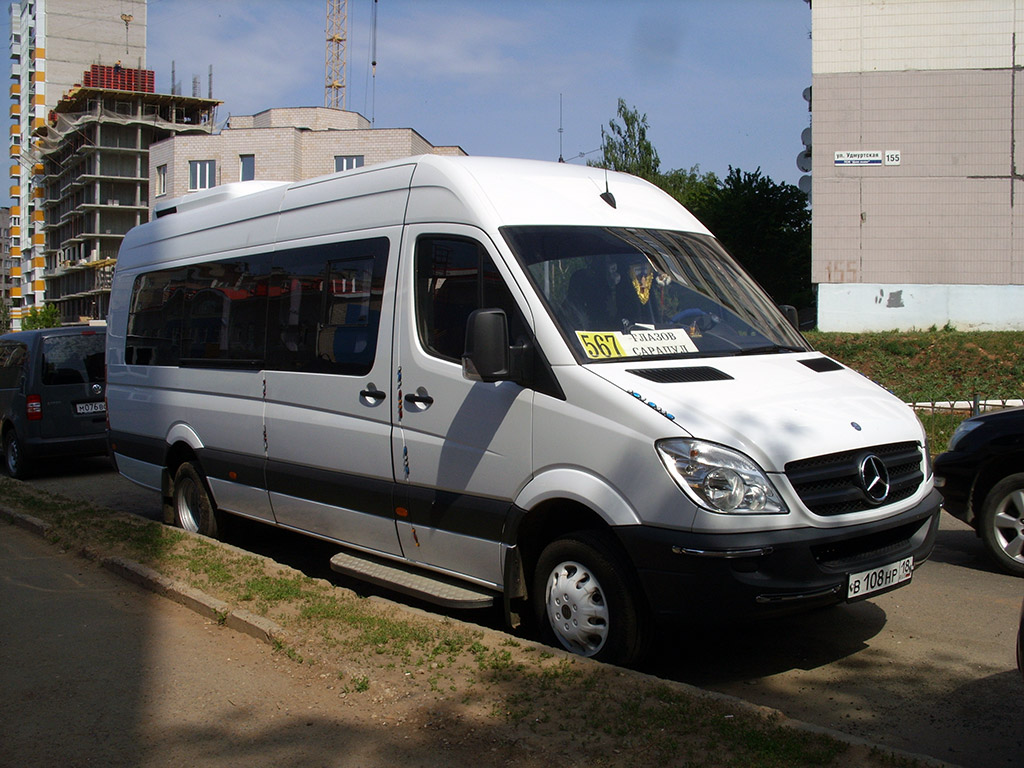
(202, 174)
(248, 167)
(161, 180)
(347, 162)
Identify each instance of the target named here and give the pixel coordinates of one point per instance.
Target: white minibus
(504, 380)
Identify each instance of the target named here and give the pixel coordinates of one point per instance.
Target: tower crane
(334, 82)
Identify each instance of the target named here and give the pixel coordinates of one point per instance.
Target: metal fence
(973, 407)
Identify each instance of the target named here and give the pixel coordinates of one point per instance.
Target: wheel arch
(987, 477)
(561, 501)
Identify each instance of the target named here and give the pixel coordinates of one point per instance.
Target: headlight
(965, 428)
(719, 478)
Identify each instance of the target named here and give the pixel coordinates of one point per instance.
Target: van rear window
(76, 359)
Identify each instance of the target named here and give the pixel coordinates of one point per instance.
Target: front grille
(850, 553)
(831, 485)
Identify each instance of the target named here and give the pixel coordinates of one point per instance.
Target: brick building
(283, 144)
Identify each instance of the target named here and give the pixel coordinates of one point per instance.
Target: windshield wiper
(768, 349)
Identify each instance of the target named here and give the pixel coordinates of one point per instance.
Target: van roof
(487, 192)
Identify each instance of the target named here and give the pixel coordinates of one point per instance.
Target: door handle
(373, 394)
(419, 399)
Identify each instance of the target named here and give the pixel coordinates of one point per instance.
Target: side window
(454, 277)
(202, 174)
(246, 167)
(204, 314)
(325, 304)
(347, 162)
(12, 362)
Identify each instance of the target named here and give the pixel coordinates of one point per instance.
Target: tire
(193, 506)
(1001, 523)
(15, 462)
(587, 601)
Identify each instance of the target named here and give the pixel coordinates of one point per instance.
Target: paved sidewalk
(96, 671)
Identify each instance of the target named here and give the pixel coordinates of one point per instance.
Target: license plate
(879, 579)
(83, 408)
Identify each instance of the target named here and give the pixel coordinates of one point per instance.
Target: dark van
(52, 395)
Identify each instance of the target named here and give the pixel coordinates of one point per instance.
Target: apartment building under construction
(83, 113)
(94, 152)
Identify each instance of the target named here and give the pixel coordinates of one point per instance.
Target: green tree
(47, 317)
(5, 317)
(691, 188)
(767, 227)
(626, 146)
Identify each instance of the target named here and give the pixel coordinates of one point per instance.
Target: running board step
(408, 580)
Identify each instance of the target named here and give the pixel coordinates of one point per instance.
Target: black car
(1020, 642)
(981, 478)
(52, 387)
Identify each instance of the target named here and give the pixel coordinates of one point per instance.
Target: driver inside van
(590, 302)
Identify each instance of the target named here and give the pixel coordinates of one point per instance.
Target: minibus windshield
(620, 293)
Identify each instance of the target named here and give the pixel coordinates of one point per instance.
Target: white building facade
(918, 164)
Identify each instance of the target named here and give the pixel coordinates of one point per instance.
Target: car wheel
(586, 600)
(1002, 523)
(193, 506)
(14, 457)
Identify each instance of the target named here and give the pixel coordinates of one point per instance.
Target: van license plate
(99, 407)
(878, 579)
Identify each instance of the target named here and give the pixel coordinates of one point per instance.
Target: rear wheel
(1001, 523)
(193, 506)
(15, 461)
(586, 600)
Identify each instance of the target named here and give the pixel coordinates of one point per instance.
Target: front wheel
(586, 600)
(1001, 523)
(193, 506)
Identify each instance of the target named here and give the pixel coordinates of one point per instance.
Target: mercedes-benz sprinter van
(490, 379)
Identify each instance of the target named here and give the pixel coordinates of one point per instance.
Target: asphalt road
(928, 668)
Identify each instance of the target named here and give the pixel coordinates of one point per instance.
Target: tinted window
(325, 307)
(75, 359)
(12, 362)
(201, 314)
(453, 278)
(313, 309)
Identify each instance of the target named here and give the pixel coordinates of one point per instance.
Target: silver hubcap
(1009, 525)
(576, 609)
(188, 504)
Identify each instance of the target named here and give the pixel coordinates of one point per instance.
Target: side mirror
(791, 315)
(487, 351)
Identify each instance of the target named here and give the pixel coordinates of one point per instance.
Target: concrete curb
(269, 632)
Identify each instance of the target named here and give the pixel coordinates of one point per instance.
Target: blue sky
(719, 80)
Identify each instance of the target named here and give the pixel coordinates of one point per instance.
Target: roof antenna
(560, 130)
(607, 195)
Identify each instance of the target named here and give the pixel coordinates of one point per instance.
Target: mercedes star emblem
(874, 478)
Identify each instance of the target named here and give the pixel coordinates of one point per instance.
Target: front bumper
(954, 477)
(712, 577)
